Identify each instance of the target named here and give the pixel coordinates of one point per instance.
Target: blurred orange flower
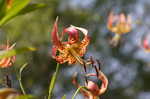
(8, 93)
(7, 62)
(71, 50)
(9, 3)
(119, 24)
(145, 43)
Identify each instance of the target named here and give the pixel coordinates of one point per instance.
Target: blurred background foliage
(126, 66)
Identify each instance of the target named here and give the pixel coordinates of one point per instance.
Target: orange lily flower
(119, 24)
(93, 91)
(7, 62)
(8, 93)
(71, 50)
(9, 3)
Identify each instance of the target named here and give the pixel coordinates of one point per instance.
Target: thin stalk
(73, 97)
(21, 86)
(19, 77)
(53, 82)
(115, 40)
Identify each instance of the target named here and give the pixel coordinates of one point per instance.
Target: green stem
(77, 91)
(19, 77)
(53, 81)
(21, 86)
(115, 40)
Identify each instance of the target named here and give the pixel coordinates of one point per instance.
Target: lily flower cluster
(118, 24)
(72, 51)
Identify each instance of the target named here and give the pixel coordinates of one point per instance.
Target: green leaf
(53, 81)
(16, 8)
(31, 7)
(63, 97)
(2, 8)
(13, 52)
(25, 97)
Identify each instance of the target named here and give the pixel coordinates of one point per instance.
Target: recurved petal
(122, 18)
(83, 30)
(104, 80)
(72, 32)
(129, 19)
(54, 34)
(5, 62)
(110, 19)
(92, 86)
(54, 50)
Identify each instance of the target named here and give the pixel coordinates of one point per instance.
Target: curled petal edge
(83, 30)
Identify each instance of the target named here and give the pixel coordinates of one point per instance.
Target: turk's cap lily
(71, 50)
(7, 62)
(104, 85)
(93, 90)
(119, 24)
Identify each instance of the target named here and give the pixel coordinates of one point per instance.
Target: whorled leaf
(2, 8)
(31, 7)
(26, 97)
(17, 6)
(13, 52)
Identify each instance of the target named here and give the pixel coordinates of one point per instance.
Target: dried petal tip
(99, 64)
